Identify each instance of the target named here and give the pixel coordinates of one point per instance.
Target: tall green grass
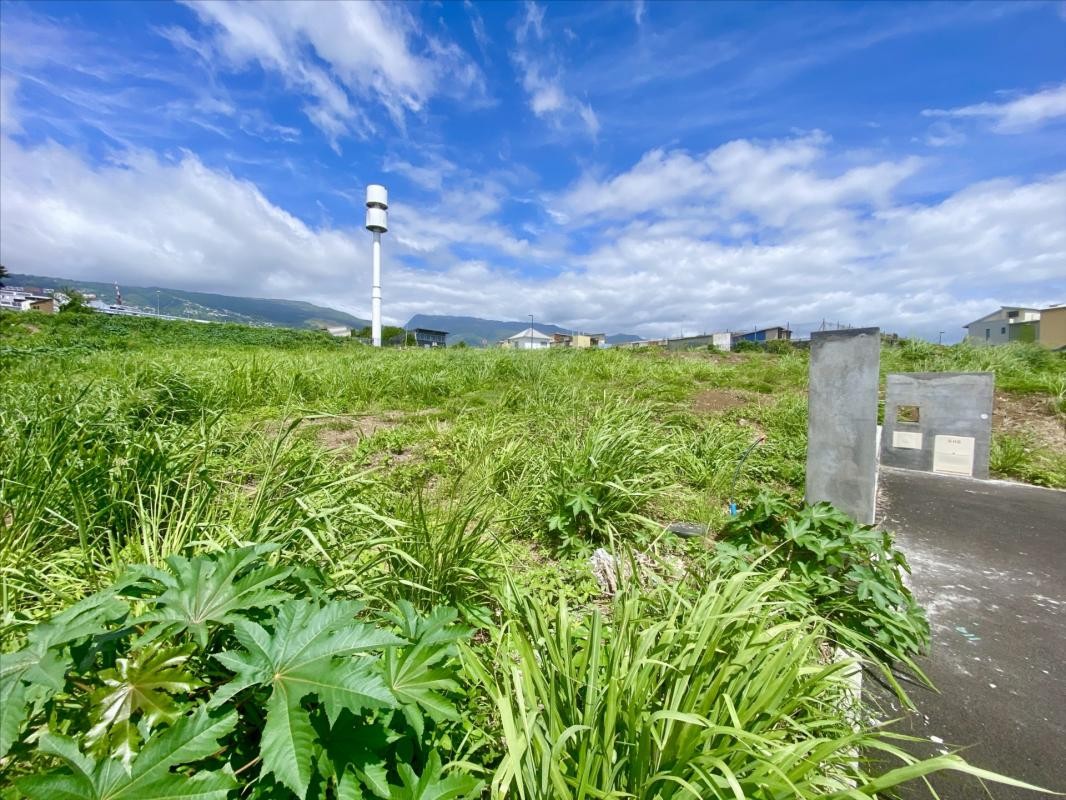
(127, 441)
(721, 694)
(1018, 366)
(444, 551)
(85, 491)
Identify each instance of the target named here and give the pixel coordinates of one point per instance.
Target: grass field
(456, 495)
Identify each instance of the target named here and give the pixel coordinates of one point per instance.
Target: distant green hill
(285, 313)
(487, 332)
(202, 305)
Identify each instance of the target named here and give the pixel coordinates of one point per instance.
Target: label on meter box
(953, 455)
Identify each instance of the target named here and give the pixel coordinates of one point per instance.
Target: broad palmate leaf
(32, 675)
(208, 589)
(417, 673)
(431, 786)
(136, 695)
(149, 777)
(310, 651)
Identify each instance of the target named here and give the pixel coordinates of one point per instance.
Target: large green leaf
(148, 777)
(431, 786)
(416, 673)
(287, 745)
(208, 590)
(354, 755)
(32, 675)
(310, 651)
(135, 698)
(13, 710)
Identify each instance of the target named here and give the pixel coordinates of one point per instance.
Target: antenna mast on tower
(377, 222)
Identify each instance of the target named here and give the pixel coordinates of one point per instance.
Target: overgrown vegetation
(210, 666)
(1020, 457)
(723, 693)
(181, 505)
(850, 573)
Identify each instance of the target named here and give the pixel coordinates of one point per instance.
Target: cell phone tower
(377, 222)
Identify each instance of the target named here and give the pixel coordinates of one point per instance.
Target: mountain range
(285, 313)
(202, 305)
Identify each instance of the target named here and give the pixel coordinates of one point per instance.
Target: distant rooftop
(530, 333)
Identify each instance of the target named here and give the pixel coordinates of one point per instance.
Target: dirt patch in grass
(336, 431)
(338, 434)
(391, 459)
(341, 431)
(1023, 415)
(705, 355)
(717, 401)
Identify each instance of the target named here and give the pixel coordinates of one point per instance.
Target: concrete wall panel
(954, 406)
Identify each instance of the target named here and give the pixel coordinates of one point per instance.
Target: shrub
(227, 667)
(599, 480)
(850, 573)
(76, 303)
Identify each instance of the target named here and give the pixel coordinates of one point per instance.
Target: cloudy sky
(646, 167)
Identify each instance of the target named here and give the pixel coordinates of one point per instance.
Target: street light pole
(530, 331)
(940, 338)
(157, 302)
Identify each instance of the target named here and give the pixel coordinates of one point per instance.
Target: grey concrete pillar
(842, 420)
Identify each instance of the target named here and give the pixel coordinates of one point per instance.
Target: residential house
(425, 337)
(340, 331)
(581, 340)
(764, 335)
(1008, 324)
(1052, 331)
(15, 299)
(529, 339)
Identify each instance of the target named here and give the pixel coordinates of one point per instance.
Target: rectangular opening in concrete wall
(907, 414)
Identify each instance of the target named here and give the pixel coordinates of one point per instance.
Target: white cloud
(429, 175)
(9, 114)
(747, 233)
(1013, 116)
(588, 116)
(544, 97)
(943, 134)
(145, 218)
(778, 183)
(639, 9)
(533, 20)
(477, 27)
(541, 75)
(373, 52)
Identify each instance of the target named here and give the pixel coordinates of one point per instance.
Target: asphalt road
(989, 564)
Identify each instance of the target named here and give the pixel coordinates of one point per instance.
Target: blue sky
(649, 167)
